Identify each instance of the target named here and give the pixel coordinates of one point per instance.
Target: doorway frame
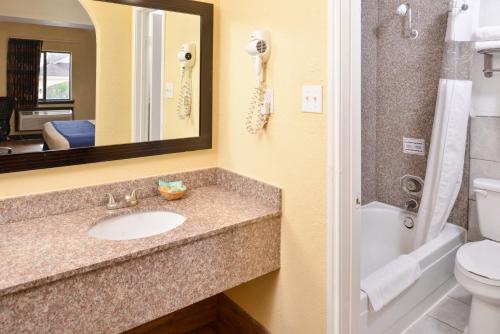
(344, 166)
(140, 85)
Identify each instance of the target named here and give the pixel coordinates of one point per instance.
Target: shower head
(403, 9)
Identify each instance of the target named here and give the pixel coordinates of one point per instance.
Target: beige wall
(180, 29)
(82, 45)
(291, 153)
(114, 75)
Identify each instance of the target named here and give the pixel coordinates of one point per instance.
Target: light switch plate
(169, 90)
(312, 99)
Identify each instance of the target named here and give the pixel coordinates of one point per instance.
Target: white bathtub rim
(365, 305)
(449, 232)
(449, 240)
(384, 206)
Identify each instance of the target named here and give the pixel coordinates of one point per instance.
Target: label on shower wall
(413, 146)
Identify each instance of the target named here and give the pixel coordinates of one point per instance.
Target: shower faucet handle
(412, 185)
(411, 205)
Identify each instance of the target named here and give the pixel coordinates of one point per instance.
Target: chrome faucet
(128, 201)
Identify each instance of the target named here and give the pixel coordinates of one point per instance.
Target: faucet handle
(132, 198)
(111, 202)
(111, 199)
(133, 194)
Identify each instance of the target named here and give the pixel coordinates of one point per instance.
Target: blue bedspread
(78, 133)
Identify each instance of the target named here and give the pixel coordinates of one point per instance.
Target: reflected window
(55, 77)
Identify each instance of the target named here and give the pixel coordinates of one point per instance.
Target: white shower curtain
(449, 134)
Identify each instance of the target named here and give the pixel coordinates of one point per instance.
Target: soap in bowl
(171, 196)
(172, 190)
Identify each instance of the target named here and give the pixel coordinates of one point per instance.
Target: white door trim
(140, 75)
(157, 75)
(344, 164)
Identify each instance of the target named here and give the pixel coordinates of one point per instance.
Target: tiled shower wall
(399, 98)
(485, 161)
(485, 123)
(369, 100)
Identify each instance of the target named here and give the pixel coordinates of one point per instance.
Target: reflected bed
(63, 135)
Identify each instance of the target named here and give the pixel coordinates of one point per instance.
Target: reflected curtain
(23, 71)
(445, 164)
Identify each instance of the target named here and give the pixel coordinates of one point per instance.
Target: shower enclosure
(416, 96)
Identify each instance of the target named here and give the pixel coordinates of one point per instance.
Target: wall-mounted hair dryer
(187, 58)
(187, 55)
(259, 111)
(260, 48)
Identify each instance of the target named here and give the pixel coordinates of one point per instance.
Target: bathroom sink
(136, 225)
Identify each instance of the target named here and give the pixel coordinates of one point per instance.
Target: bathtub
(383, 238)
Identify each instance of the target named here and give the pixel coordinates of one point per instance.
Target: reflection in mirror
(48, 94)
(166, 104)
(47, 74)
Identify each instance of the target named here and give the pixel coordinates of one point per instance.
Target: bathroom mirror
(84, 81)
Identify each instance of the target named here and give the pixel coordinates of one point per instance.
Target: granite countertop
(38, 251)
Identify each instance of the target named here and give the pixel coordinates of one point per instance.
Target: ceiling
(61, 13)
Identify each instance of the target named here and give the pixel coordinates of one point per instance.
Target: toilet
(477, 265)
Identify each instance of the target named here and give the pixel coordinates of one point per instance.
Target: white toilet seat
(477, 264)
(481, 260)
(485, 309)
(474, 278)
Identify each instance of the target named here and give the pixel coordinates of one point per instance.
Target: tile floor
(450, 316)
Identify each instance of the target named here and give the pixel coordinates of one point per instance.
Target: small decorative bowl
(170, 196)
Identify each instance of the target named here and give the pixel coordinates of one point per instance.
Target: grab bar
(488, 61)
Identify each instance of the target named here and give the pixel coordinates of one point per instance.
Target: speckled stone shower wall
(369, 100)
(406, 81)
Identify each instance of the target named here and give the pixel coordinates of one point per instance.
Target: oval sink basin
(136, 225)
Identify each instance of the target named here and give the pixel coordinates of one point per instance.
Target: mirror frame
(79, 156)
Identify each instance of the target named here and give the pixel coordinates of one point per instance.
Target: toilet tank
(488, 207)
